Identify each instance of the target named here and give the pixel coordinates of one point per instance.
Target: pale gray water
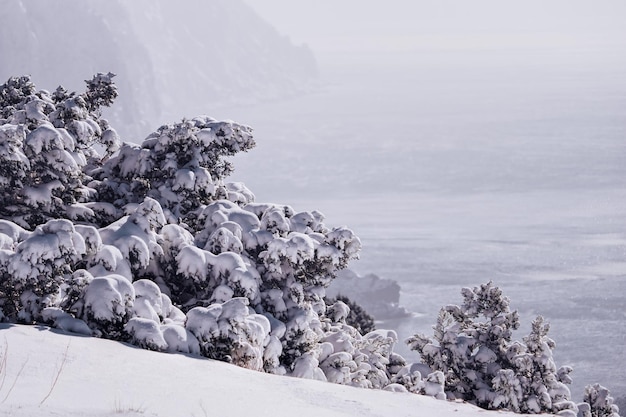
(459, 168)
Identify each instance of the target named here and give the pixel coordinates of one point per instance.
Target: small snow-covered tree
(543, 385)
(597, 402)
(464, 344)
(474, 349)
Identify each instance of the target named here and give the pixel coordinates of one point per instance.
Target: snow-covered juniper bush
(151, 245)
(473, 346)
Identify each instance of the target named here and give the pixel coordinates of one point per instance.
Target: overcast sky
(328, 25)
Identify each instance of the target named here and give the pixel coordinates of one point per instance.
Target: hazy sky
(328, 25)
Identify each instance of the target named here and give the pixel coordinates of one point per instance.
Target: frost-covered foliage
(597, 402)
(181, 166)
(232, 332)
(38, 266)
(474, 349)
(279, 260)
(46, 147)
(345, 356)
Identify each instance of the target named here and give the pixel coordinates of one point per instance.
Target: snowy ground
(48, 373)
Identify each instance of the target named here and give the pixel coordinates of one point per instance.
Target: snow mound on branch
(146, 333)
(109, 298)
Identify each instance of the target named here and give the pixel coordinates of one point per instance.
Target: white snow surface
(46, 372)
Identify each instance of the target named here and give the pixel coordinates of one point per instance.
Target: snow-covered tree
(597, 402)
(474, 349)
(160, 211)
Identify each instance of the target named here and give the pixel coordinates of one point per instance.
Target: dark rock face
(380, 297)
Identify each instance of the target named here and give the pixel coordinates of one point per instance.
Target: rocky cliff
(172, 59)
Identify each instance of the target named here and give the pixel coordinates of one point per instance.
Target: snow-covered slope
(45, 372)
